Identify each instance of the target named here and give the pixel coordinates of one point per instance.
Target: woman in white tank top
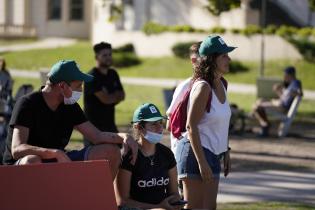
(198, 155)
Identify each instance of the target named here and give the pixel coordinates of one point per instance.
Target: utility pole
(262, 47)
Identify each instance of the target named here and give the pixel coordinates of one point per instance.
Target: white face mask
(73, 99)
(153, 137)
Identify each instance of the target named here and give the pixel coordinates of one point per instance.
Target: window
(54, 9)
(76, 9)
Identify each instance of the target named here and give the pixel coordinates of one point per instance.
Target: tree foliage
(311, 4)
(218, 6)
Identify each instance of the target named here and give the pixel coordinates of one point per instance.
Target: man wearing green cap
(42, 123)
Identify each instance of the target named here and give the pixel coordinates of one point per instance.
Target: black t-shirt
(149, 183)
(47, 128)
(101, 115)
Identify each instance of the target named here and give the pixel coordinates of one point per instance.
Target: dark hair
(205, 68)
(136, 132)
(194, 48)
(290, 70)
(100, 46)
(3, 66)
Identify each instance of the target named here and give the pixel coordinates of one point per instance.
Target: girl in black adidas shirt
(151, 181)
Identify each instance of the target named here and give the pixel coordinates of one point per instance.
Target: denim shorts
(74, 155)
(187, 165)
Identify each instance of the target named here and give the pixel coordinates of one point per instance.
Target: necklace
(151, 158)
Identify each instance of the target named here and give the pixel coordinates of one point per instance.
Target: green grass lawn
(265, 206)
(136, 95)
(166, 67)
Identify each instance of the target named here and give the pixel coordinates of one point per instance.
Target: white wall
(101, 28)
(160, 45)
(63, 27)
(2, 12)
(18, 13)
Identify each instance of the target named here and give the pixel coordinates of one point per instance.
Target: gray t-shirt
(286, 97)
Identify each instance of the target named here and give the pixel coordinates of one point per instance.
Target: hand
(61, 156)
(130, 143)
(206, 172)
(175, 197)
(227, 163)
(165, 204)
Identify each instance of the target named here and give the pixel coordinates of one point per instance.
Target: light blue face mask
(153, 138)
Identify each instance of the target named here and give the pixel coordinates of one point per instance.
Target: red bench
(57, 186)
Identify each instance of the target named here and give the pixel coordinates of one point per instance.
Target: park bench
(264, 90)
(57, 186)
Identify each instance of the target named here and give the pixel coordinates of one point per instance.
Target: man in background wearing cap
(42, 123)
(104, 92)
(286, 93)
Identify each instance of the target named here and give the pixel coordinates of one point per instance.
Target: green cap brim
(86, 77)
(153, 119)
(227, 50)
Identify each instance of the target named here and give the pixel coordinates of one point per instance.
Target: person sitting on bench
(286, 92)
(42, 123)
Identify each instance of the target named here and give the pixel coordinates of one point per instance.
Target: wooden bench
(57, 186)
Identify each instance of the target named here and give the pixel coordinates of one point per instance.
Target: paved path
(162, 82)
(268, 186)
(41, 44)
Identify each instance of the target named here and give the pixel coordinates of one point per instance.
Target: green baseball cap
(214, 44)
(147, 112)
(67, 71)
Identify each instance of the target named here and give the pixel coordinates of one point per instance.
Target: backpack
(178, 118)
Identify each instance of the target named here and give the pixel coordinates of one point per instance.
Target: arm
(20, 148)
(173, 185)
(278, 89)
(194, 115)
(227, 163)
(122, 189)
(96, 136)
(113, 98)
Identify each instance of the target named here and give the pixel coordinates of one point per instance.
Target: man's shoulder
(93, 71)
(112, 71)
(33, 96)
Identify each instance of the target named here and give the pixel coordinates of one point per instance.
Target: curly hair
(205, 68)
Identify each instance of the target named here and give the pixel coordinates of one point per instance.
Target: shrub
(235, 30)
(125, 48)
(182, 49)
(154, 28)
(271, 29)
(305, 32)
(251, 29)
(125, 59)
(182, 28)
(217, 30)
(237, 66)
(286, 31)
(305, 47)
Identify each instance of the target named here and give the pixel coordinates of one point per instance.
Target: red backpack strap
(225, 82)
